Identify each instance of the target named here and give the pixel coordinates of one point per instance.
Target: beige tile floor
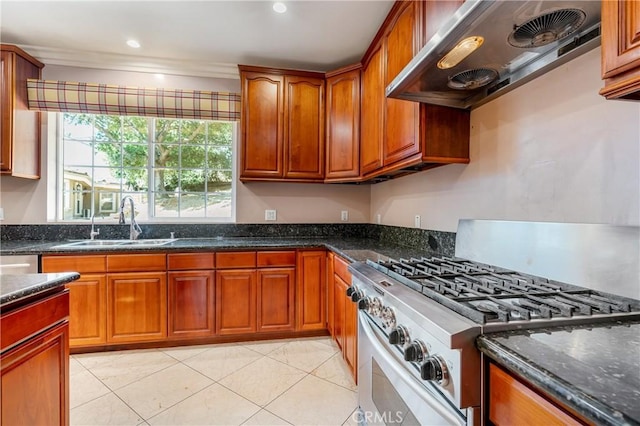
(276, 382)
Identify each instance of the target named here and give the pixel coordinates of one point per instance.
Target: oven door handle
(439, 405)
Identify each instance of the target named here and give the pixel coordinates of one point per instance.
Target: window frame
(55, 210)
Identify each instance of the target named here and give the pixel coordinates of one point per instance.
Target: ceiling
(200, 38)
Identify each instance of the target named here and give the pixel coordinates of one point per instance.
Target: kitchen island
(593, 371)
(34, 355)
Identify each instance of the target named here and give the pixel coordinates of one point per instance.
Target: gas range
(496, 297)
(427, 313)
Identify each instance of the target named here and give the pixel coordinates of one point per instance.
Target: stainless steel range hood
(502, 24)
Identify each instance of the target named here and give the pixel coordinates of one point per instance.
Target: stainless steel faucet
(135, 230)
(93, 232)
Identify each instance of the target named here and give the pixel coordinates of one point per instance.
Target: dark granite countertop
(16, 287)
(594, 370)
(354, 249)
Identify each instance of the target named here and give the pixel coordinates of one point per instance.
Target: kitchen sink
(115, 243)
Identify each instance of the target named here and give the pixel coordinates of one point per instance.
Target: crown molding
(119, 62)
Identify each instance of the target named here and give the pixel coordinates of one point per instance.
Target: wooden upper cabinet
(621, 49)
(402, 117)
(343, 124)
(20, 128)
(282, 125)
(262, 125)
(372, 124)
(304, 128)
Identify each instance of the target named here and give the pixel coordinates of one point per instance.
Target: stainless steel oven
(388, 391)
(410, 369)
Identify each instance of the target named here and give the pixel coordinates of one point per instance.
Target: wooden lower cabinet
(350, 347)
(310, 289)
(87, 297)
(34, 363)
(276, 299)
(191, 303)
(512, 402)
(136, 307)
(88, 310)
(340, 301)
(345, 321)
(236, 301)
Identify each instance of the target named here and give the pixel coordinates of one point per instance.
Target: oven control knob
(371, 305)
(416, 351)
(399, 336)
(434, 369)
(357, 295)
(351, 290)
(364, 304)
(388, 317)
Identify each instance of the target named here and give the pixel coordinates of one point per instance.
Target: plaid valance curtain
(90, 98)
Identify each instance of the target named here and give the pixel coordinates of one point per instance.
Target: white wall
(551, 150)
(25, 201)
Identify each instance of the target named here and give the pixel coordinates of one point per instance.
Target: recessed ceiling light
(280, 7)
(160, 76)
(133, 43)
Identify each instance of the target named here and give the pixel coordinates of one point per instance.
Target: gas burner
(488, 295)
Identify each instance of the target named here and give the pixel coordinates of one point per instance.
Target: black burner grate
(488, 294)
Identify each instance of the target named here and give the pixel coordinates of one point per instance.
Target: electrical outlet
(344, 215)
(269, 215)
(416, 221)
(378, 219)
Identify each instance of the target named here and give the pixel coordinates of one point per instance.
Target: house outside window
(175, 169)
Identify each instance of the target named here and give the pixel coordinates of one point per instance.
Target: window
(173, 169)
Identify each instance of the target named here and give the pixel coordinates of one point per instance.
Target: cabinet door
(235, 301)
(136, 307)
(343, 126)
(35, 380)
(620, 37)
(20, 126)
(401, 138)
(373, 102)
(6, 112)
(621, 49)
(262, 128)
(330, 294)
(511, 402)
(340, 300)
(311, 270)
(276, 299)
(350, 347)
(191, 303)
(88, 310)
(304, 128)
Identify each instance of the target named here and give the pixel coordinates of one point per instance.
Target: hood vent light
(460, 51)
(472, 79)
(547, 28)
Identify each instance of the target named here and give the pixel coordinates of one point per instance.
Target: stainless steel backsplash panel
(600, 257)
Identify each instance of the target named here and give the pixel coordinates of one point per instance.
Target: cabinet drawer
(79, 264)
(190, 261)
(276, 258)
(340, 267)
(136, 262)
(33, 318)
(236, 259)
